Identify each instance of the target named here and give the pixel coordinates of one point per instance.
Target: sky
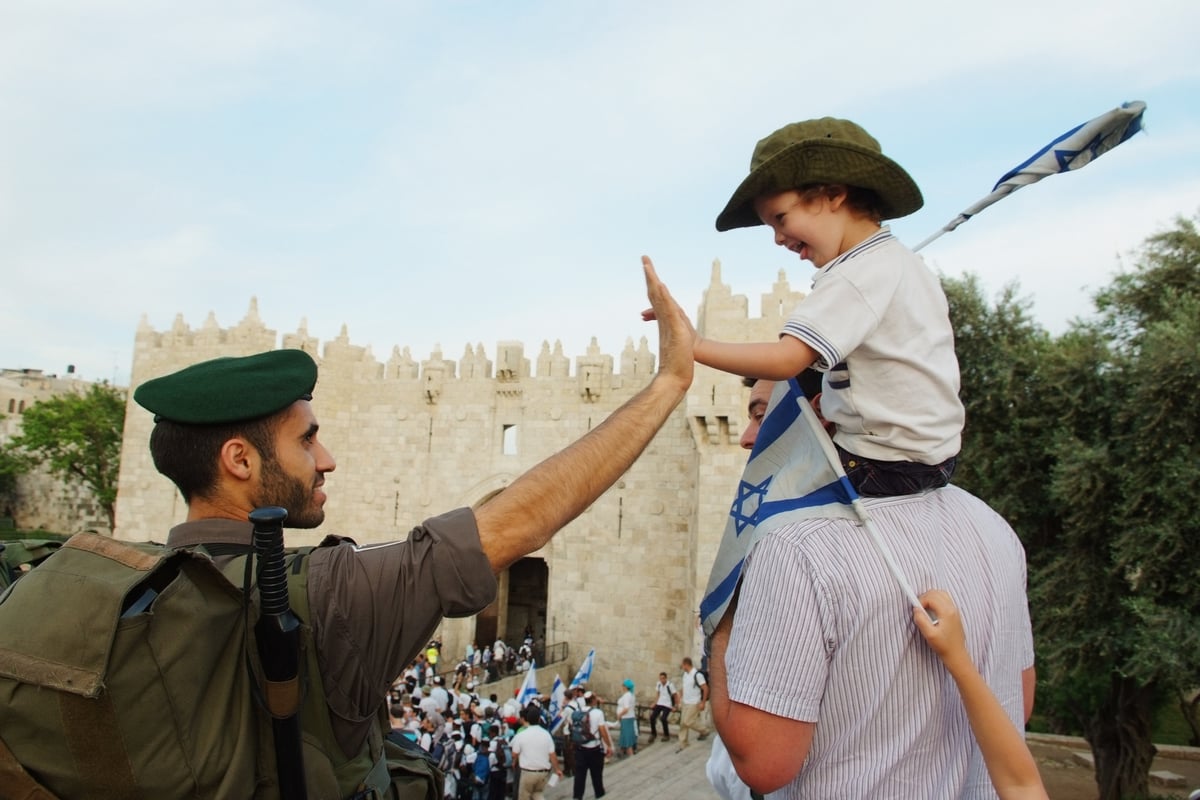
(451, 173)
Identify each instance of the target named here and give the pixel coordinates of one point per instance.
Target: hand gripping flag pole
(793, 474)
(1075, 149)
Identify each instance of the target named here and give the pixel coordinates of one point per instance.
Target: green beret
(230, 389)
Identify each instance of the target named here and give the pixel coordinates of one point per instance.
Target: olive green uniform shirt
(375, 606)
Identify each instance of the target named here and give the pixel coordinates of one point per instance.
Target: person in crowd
(695, 698)
(534, 755)
(591, 754)
(627, 718)
(666, 700)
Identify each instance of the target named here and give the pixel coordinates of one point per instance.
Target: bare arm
(767, 751)
(1028, 688)
(523, 517)
(775, 361)
(1010, 765)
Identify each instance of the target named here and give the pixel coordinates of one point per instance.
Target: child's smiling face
(808, 226)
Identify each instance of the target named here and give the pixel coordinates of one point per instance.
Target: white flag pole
(864, 517)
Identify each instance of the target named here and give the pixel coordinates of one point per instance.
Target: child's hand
(946, 638)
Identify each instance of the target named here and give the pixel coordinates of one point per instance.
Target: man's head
(686, 664)
(826, 153)
(234, 434)
(662, 677)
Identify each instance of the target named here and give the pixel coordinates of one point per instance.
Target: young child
(876, 321)
(1010, 765)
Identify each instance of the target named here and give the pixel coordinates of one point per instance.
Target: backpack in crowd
(446, 754)
(581, 726)
(143, 683)
(482, 768)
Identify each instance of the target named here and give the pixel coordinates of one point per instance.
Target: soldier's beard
(281, 489)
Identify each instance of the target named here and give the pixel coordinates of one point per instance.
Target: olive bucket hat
(820, 151)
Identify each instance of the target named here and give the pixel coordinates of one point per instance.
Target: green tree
(78, 436)
(1001, 351)
(11, 466)
(1105, 421)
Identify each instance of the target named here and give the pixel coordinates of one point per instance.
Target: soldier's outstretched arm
(523, 517)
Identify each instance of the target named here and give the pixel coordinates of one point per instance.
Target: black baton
(278, 635)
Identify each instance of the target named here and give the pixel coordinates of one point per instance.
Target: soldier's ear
(239, 459)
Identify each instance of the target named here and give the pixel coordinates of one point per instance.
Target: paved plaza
(657, 772)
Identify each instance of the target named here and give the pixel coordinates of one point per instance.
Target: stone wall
(413, 439)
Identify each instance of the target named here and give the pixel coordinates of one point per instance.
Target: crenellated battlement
(181, 345)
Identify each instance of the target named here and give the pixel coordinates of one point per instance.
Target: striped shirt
(846, 655)
(879, 322)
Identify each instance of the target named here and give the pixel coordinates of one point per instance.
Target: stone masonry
(413, 439)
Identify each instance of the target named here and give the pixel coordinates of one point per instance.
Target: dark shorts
(874, 478)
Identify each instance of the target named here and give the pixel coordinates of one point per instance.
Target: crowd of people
(490, 748)
(475, 740)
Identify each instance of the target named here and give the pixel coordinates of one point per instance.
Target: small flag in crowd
(1076, 148)
(529, 689)
(585, 670)
(558, 701)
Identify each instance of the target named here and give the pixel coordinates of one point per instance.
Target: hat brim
(823, 161)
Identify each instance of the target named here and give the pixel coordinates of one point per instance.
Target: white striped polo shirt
(824, 634)
(879, 322)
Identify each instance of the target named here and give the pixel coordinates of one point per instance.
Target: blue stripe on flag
(835, 493)
(723, 591)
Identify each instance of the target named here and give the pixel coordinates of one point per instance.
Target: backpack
(143, 683)
(447, 755)
(504, 757)
(581, 726)
(482, 768)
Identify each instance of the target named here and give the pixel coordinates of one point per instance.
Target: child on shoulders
(876, 321)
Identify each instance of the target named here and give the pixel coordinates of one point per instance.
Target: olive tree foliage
(1087, 443)
(11, 466)
(78, 437)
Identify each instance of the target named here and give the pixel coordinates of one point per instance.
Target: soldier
(234, 434)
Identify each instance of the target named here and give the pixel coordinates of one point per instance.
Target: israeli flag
(1076, 148)
(585, 670)
(794, 473)
(529, 687)
(558, 701)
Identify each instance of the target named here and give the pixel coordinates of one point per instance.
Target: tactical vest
(130, 671)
